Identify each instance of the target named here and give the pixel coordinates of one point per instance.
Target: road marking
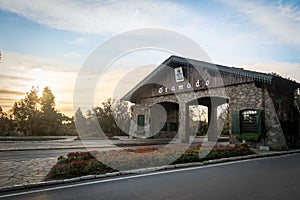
(137, 176)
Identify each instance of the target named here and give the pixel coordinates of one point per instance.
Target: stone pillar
(138, 110)
(147, 123)
(275, 137)
(183, 133)
(213, 124)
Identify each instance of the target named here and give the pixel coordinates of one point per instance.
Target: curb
(147, 170)
(74, 147)
(56, 148)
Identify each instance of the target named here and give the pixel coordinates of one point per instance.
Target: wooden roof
(244, 75)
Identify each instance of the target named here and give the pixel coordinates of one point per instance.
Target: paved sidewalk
(68, 144)
(25, 171)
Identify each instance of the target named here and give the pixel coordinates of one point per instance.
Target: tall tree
(81, 122)
(4, 122)
(25, 112)
(113, 117)
(37, 116)
(51, 120)
(47, 100)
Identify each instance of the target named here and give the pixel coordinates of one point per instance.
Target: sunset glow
(45, 43)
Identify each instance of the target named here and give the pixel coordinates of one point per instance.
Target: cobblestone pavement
(33, 170)
(25, 171)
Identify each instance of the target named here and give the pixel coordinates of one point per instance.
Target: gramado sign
(183, 85)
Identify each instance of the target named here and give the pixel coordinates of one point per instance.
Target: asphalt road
(268, 178)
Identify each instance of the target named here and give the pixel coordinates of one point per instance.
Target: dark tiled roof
(252, 75)
(257, 76)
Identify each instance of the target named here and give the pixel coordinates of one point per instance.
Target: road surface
(33, 154)
(267, 178)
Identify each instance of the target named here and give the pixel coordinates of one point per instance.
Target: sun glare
(60, 83)
(40, 80)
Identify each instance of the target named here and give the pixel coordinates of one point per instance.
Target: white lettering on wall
(207, 82)
(160, 90)
(198, 84)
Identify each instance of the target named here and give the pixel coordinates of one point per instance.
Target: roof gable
(163, 77)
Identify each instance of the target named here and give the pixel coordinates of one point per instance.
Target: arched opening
(164, 120)
(208, 115)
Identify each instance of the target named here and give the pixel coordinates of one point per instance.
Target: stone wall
(249, 96)
(240, 97)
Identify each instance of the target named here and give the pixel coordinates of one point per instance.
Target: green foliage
(113, 117)
(47, 101)
(192, 154)
(5, 122)
(25, 113)
(84, 163)
(245, 136)
(33, 116)
(224, 117)
(77, 164)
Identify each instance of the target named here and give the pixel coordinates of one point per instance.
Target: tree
(4, 123)
(121, 113)
(81, 122)
(25, 113)
(51, 121)
(37, 116)
(113, 117)
(69, 126)
(198, 120)
(47, 101)
(223, 119)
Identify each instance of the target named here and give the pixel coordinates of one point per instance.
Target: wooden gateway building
(261, 107)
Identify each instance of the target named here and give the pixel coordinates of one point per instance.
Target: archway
(206, 115)
(164, 120)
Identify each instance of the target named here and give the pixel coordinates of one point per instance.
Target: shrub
(84, 163)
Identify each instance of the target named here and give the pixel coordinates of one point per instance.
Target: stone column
(213, 124)
(183, 134)
(147, 122)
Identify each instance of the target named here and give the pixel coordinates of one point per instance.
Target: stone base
(264, 148)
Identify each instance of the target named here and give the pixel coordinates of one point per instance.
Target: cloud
(80, 40)
(4, 77)
(16, 62)
(287, 70)
(3, 92)
(227, 37)
(281, 21)
(20, 72)
(71, 55)
(100, 16)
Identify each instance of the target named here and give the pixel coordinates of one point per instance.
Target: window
(250, 121)
(141, 122)
(173, 126)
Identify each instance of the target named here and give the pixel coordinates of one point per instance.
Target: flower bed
(85, 163)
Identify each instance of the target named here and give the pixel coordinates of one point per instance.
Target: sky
(46, 43)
